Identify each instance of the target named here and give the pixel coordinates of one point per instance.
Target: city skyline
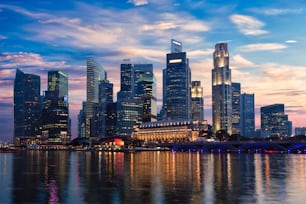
(265, 49)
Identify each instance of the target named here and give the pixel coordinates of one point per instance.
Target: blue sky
(266, 40)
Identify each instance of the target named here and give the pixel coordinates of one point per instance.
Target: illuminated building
(274, 119)
(300, 131)
(128, 111)
(177, 84)
(82, 120)
(55, 112)
(170, 131)
(197, 104)
(27, 107)
(129, 108)
(145, 88)
(247, 115)
(236, 108)
(221, 90)
(95, 74)
(126, 80)
(105, 107)
(137, 97)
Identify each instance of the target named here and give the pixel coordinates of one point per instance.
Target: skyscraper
(197, 104)
(274, 120)
(137, 96)
(126, 79)
(27, 107)
(236, 92)
(55, 112)
(221, 90)
(145, 89)
(95, 74)
(105, 102)
(247, 115)
(177, 84)
(82, 121)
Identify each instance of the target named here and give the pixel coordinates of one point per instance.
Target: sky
(266, 42)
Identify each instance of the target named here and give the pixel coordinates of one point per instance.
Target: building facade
(247, 115)
(221, 90)
(177, 84)
(55, 112)
(197, 101)
(274, 120)
(173, 131)
(129, 108)
(105, 101)
(27, 107)
(95, 74)
(236, 92)
(145, 88)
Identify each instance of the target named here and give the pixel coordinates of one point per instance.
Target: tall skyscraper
(55, 112)
(221, 90)
(197, 101)
(126, 80)
(27, 107)
(105, 102)
(177, 84)
(247, 115)
(236, 92)
(82, 121)
(137, 97)
(274, 120)
(145, 89)
(95, 74)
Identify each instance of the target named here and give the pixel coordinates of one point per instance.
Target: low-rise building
(170, 131)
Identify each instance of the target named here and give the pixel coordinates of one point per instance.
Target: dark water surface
(151, 177)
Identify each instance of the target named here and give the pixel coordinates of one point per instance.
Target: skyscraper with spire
(221, 90)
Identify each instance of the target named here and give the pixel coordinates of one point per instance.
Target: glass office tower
(95, 74)
(177, 84)
(247, 115)
(55, 112)
(221, 90)
(27, 106)
(236, 92)
(145, 89)
(197, 101)
(274, 120)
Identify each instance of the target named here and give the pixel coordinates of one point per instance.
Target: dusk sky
(266, 41)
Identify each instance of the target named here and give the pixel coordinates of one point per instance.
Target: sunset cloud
(262, 47)
(248, 25)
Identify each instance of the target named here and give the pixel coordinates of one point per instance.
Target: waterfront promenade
(237, 146)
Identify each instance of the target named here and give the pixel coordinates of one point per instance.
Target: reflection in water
(151, 177)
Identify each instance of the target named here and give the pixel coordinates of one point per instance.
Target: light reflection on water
(151, 177)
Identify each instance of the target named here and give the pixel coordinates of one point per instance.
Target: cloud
(2, 37)
(139, 2)
(159, 26)
(13, 60)
(240, 61)
(290, 41)
(248, 25)
(262, 47)
(276, 11)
